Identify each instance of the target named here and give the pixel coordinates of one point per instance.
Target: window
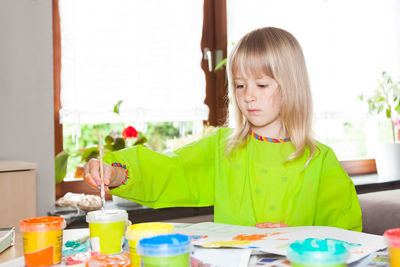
(347, 45)
(149, 54)
(146, 53)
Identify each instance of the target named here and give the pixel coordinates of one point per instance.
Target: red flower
(129, 132)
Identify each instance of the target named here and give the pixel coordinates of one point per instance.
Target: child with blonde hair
(268, 171)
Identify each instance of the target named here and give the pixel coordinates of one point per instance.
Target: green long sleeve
(253, 185)
(181, 178)
(337, 203)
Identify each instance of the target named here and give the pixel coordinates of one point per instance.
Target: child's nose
(249, 99)
(250, 96)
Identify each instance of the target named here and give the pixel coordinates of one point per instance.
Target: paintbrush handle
(101, 165)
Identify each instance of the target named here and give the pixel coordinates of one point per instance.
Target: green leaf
(141, 140)
(221, 64)
(119, 143)
(109, 146)
(61, 162)
(116, 107)
(388, 113)
(380, 99)
(397, 108)
(109, 139)
(378, 108)
(90, 153)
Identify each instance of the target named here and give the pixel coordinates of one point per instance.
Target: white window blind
(146, 53)
(347, 44)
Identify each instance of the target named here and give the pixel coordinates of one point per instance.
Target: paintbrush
(102, 193)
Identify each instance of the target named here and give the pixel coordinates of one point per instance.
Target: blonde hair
(276, 53)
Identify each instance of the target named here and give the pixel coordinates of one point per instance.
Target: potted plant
(386, 98)
(113, 142)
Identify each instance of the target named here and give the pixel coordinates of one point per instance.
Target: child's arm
(183, 178)
(337, 203)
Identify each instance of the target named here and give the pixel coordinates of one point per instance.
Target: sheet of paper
(228, 257)
(277, 240)
(7, 237)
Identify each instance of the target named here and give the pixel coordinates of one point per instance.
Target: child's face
(259, 100)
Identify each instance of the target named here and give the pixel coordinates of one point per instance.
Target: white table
(14, 256)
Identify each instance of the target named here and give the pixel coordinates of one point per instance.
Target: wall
(26, 90)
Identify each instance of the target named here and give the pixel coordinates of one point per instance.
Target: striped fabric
(267, 139)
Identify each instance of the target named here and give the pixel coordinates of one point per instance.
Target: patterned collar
(268, 139)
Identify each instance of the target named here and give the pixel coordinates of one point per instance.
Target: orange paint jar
(392, 238)
(42, 237)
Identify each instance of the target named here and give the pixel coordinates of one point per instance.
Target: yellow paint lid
(141, 230)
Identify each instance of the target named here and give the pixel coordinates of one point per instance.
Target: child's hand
(271, 225)
(92, 177)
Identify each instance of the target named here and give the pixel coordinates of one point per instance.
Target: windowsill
(367, 183)
(370, 179)
(72, 179)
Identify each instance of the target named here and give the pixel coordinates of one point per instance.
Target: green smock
(253, 185)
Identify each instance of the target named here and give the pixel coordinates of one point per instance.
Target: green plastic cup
(107, 230)
(171, 250)
(313, 252)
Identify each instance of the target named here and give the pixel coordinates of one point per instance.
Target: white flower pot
(388, 162)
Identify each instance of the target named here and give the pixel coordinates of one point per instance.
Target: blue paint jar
(171, 250)
(313, 252)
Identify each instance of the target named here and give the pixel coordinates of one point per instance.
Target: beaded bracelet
(115, 164)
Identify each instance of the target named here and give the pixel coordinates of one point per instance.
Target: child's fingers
(108, 171)
(263, 225)
(106, 189)
(94, 170)
(89, 180)
(270, 225)
(278, 225)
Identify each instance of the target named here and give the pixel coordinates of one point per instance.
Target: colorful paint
(249, 237)
(107, 230)
(254, 237)
(119, 260)
(392, 238)
(42, 239)
(138, 231)
(313, 252)
(218, 244)
(171, 250)
(197, 237)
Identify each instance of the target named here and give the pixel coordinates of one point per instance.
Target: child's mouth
(253, 111)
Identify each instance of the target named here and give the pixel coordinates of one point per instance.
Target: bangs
(248, 63)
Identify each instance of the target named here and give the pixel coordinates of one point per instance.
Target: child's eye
(262, 85)
(239, 86)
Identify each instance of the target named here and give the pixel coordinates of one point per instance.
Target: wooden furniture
(17, 192)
